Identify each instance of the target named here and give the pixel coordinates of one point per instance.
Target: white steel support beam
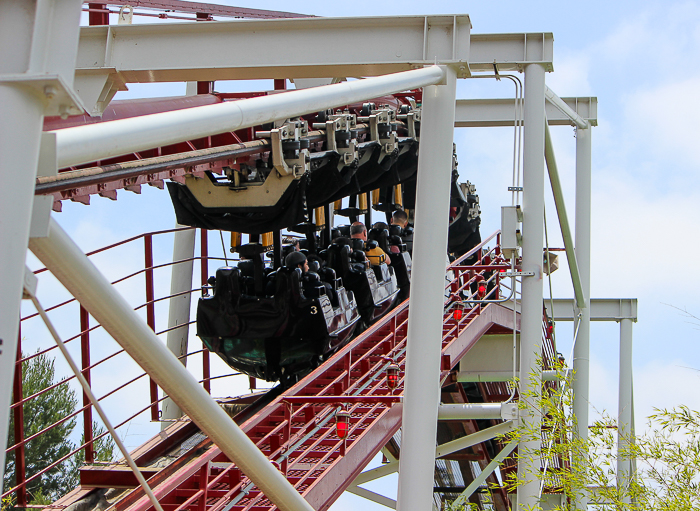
(625, 420)
(558, 194)
(83, 144)
(83, 280)
(302, 48)
(484, 113)
(473, 439)
(601, 309)
(498, 376)
(531, 316)
(40, 42)
(422, 385)
(179, 309)
(581, 361)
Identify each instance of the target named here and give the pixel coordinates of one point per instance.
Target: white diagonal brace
(487, 471)
(374, 497)
(568, 238)
(561, 105)
(474, 438)
(376, 473)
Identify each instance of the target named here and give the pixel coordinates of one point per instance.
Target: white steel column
(583, 257)
(179, 310)
(422, 386)
(82, 279)
(31, 34)
(531, 316)
(20, 131)
(625, 419)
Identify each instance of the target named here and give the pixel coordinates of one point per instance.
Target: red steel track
(297, 429)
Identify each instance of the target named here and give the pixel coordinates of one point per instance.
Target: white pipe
(422, 383)
(179, 309)
(499, 376)
(563, 217)
(83, 280)
(625, 421)
(531, 316)
(468, 411)
(555, 100)
(93, 142)
(583, 258)
(473, 439)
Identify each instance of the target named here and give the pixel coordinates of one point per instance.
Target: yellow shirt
(376, 256)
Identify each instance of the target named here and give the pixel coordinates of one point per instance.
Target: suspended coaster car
(275, 325)
(374, 286)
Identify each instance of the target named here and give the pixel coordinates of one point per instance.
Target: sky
(637, 59)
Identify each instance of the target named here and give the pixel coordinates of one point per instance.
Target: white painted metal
(39, 39)
(482, 113)
(422, 386)
(625, 409)
(473, 439)
(531, 317)
(376, 473)
(468, 411)
(364, 46)
(487, 471)
(581, 360)
(499, 376)
(179, 309)
(601, 309)
(93, 142)
(83, 280)
(563, 217)
(374, 497)
(561, 105)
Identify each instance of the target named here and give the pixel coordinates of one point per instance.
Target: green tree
(40, 412)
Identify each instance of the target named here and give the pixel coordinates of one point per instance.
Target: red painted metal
(150, 314)
(297, 430)
(20, 463)
(204, 272)
(98, 14)
(85, 361)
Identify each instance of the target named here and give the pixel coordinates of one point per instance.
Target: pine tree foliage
(39, 413)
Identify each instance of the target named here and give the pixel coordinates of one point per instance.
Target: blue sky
(640, 60)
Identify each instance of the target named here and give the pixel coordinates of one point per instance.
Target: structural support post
(583, 258)
(41, 38)
(625, 419)
(179, 311)
(422, 386)
(82, 279)
(531, 317)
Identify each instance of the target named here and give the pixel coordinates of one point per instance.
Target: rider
(375, 255)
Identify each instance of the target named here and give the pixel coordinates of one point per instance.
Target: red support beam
(85, 361)
(98, 14)
(204, 269)
(20, 461)
(150, 314)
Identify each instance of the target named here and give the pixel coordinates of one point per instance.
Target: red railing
(88, 364)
